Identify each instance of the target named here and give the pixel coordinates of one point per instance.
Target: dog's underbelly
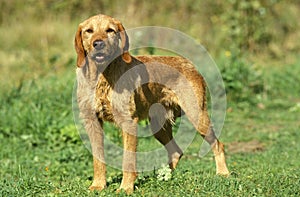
(139, 104)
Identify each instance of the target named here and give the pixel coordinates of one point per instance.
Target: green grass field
(41, 153)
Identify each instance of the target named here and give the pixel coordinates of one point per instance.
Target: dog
(103, 59)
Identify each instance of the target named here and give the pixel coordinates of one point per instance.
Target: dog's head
(98, 39)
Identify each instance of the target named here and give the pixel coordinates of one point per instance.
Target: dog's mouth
(102, 57)
(99, 57)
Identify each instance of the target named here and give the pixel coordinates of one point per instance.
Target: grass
(42, 154)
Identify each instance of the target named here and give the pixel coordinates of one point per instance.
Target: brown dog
(114, 86)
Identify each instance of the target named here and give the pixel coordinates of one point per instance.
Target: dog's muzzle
(99, 57)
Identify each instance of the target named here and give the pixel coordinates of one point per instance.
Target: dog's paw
(223, 172)
(97, 187)
(174, 159)
(127, 190)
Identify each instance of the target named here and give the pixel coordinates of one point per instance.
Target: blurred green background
(254, 43)
(244, 37)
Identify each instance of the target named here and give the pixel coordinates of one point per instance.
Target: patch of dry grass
(31, 49)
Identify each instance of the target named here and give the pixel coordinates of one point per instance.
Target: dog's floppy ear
(79, 49)
(124, 43)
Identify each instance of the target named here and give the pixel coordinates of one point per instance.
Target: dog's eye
(110, 30)
(89, 31)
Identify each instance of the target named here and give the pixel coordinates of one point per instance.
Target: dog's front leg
(129, 133)
(95, 132)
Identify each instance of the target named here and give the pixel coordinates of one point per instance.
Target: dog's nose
(98, 44)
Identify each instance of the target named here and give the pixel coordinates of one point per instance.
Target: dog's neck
(91, 71)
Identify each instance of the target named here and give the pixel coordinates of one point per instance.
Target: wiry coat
(114, 86)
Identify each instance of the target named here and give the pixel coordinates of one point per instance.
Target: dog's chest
(103, 105)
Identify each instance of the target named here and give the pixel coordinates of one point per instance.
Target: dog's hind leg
(194, 105)
(164, 135)
(207, 132)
